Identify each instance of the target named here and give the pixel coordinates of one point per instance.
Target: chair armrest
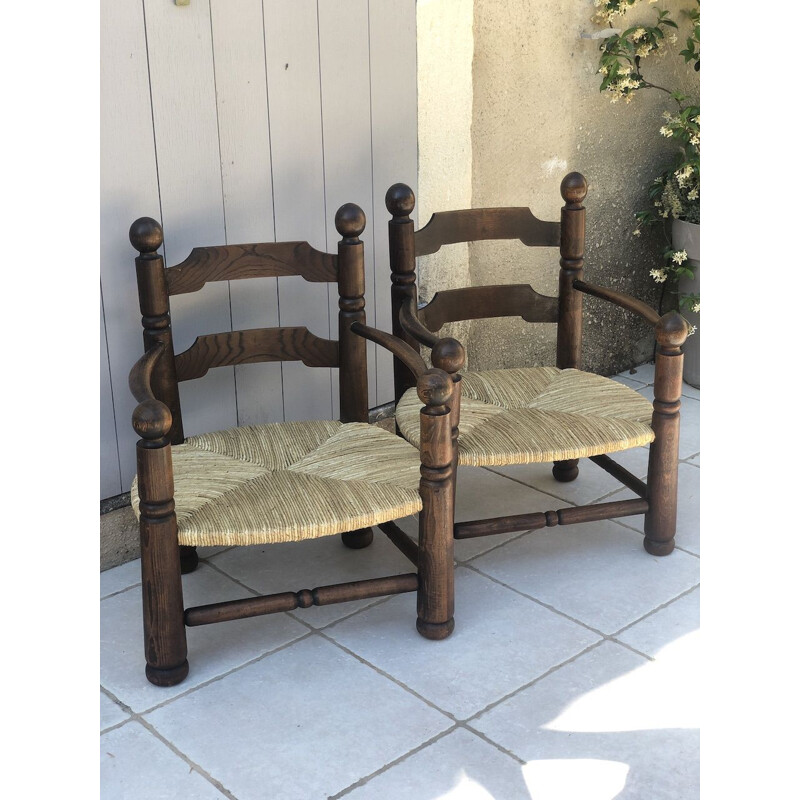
(411, 324)
(151, 419)
(620, 299)
(396, 346)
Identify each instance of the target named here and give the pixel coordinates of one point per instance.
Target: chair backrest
(234, 262)
(481, 302)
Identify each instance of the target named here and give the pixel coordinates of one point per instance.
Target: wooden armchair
(286, 481)
(539, 414)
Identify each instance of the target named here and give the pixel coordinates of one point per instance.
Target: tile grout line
(194, 767)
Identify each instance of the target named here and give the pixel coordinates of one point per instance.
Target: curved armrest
(620, 299)
(411, 324)
(151, 419)
(396, 346)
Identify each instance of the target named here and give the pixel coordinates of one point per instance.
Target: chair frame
(418, 326)
(157, 420)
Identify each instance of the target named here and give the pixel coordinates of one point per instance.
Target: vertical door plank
(347, 138)
(393, 70)
(110, 478)
(129, 189)
(187, 147)
(244, 143)
(292, 48)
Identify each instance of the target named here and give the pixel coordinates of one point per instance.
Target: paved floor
(571, 672)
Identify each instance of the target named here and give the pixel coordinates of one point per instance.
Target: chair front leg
(162, 592)
(435, 598)
(662, 475)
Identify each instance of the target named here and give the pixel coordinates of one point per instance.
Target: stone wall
(537, 114)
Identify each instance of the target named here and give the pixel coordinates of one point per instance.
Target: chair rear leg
(565, 471)
(189, 559)
(356, 540)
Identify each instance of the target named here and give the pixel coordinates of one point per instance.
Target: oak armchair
(539, 414)
(279, 482)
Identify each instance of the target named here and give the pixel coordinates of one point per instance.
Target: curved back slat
(234, 262)
(449, 227)
(482, 302)
(254, 346)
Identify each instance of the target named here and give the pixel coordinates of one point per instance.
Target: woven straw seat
(288, 481)
(537, 414)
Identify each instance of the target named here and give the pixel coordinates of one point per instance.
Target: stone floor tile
(690, 391)
(644, 373)
(628, 381)
(302, 724)
(653, 633)
(213, 649)
(135, 765)
(293, 566)
(459, 765)
(592, 482)
(110, 712)
(117, 579)
(501, 642)
(687, 534)
(482, 494)
(597, 572)
(690, 424)
(609, 724)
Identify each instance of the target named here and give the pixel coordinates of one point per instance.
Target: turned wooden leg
(356, 540)
(435, 598)
(189, 559)
(162, 593)
(662, 475)
(565, 471)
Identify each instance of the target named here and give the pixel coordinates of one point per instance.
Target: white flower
(658, 275)
(696, 308)
(679, 257)
(638, 33)
(637, 232)
(665, 131)
(692, 330)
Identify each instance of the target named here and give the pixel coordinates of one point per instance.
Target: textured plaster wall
(444, 109)
(536, 115)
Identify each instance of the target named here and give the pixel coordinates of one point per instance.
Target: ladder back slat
(469, 225)
(482, 302)
(254, 346)
(235, 262)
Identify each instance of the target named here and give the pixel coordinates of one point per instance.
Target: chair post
(400, 203)
(162, 593)
(146, 236)
(662, 473)
(570, 301)
(353, 389)
(448, 355)
(435, 599)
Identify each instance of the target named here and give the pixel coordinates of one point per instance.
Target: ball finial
(400, 200)
(350, 221)
(574, 188)
(672, 330)
(146, 235)
(448, 354)
(434, 387)
(152, 419)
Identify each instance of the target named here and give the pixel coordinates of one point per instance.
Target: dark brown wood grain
(398, 347)
(412, 326)
(475, 224)
(254, 346)
(621, 474)
(305, 598)
(402, 541)
(483, 302)
(549, 519)
(240, 261)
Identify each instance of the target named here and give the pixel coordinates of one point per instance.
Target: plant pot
(686, 236)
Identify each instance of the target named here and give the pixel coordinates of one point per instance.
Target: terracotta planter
(686, 236)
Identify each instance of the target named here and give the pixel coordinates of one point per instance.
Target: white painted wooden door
(237, 121)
